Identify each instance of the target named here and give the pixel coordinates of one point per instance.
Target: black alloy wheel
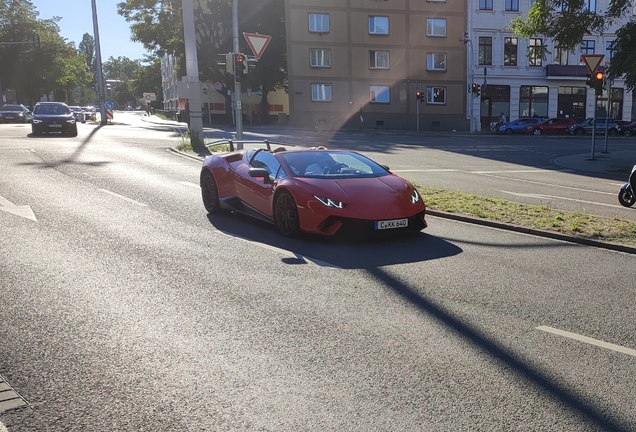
(627, 133)
(508, 132)
(286, 214)
(579, 132)
(626, 198)
(210, 193)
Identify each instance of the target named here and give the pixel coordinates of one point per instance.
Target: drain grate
(9, 398)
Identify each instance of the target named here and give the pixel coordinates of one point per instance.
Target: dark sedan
(15, 113)
(551, 126)
(53, 117)
(627, 130)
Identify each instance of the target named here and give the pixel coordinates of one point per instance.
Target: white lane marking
(282, 251)
(516, 171)
(427, 170)
(540, 196)
(549, 184)
(588, 340)
(24, 211)
(124, 198)
(190, 184)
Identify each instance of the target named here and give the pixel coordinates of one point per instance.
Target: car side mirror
(259, 172)
(386, 167)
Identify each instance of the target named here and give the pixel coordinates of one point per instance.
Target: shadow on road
(348, 254)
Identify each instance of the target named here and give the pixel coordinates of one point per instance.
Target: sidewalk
(619, 162)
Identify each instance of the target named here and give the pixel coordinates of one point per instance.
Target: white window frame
(319, 58)
(431, 25)
(321, 92)
(374, 29)
(430, 95)
(430, 61)
(375, 57)
(313, 22)
(375, 91)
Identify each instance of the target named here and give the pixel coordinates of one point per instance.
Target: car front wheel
(627, 133)
(508, 132)
(286, 214)
(210, 193)
(579, 132)
(536, 132)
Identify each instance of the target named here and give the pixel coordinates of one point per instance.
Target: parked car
(585, 128)
(555, 125)
(15, 113)
(627, 130)
(79, 114)
(53, 117)
(518, 126)
(319, 191)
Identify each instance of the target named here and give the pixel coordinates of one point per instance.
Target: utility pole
(98, 60)
(192, 69)
(236, 94)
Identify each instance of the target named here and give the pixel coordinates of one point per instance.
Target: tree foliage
(568, 22)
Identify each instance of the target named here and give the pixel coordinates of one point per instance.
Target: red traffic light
(240, 58)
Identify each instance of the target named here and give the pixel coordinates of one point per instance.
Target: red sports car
(314, 190)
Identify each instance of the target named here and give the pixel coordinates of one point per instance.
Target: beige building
(354, 63)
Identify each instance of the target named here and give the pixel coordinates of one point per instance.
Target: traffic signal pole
(236, 94)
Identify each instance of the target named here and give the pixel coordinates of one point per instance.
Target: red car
(314, 190)
(551, 126)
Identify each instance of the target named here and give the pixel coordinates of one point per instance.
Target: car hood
(362, 191)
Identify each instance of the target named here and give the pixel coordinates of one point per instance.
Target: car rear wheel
(579, 132)
(508, 132)
(612, 132)
(210, 193)
(627, 133)
(286, 214)
(536, 132)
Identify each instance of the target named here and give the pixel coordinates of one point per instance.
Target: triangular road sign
(257, 42)
(592, 61)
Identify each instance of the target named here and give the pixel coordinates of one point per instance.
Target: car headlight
(331, 203)
(36, 121)
(71, 121)
(415, 197)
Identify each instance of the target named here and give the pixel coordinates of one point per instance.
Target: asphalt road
(125, 307)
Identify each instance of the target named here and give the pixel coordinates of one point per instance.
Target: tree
(569, 21)
(87, 49)
(147, 79)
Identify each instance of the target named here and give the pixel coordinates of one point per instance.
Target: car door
(259, 192)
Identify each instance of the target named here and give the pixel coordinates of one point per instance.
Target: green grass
(540, 217)
(184, 144)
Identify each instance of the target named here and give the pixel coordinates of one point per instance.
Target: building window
(319, 23)
(436, 61)
(587, 47)
(380, 94)
(512, 5)
(609, 52)
(379, 59)
(321, 92)
(561, 55)
(510, 51)
(436, 27)
(485, 50)
(436, 95)
(485, 4)
(535, 53)
(561, 6)
(589, 5)
(379, 25)
(533, 100)
(320, 58)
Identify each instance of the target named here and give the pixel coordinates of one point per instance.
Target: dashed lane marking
(190, 184)
(132, 201)
(588, 340)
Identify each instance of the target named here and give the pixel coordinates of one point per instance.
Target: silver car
(79, 114)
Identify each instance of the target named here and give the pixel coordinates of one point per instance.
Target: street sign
(150, 97)
(257, 42)
(218, 86)
(592, 61)
(109, 105)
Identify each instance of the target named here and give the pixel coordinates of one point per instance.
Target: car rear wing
(238, 144)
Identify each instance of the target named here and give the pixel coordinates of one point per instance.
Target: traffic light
(36, 40)
(475, 88)
(599, 82)
(229, 63)
(240, 66)
(588, 80)
(418, 96)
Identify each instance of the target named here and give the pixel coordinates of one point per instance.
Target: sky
(77, 19)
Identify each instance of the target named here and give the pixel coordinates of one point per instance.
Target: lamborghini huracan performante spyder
(314, 190)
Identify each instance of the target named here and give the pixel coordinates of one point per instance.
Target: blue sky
(77, 19)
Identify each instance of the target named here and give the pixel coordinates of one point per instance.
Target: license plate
(389, 224)
(55, 125)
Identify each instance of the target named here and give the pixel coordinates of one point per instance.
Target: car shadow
(359, 253)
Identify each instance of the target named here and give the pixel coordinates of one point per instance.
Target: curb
(535, 232)
(508, 227)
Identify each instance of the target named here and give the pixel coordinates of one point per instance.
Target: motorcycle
(626, 196)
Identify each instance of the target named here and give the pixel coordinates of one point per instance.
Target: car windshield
(12, 108)
(51, 109)
(332, 164)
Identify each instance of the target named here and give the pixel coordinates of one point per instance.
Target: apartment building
(521, 83)
(361, 63)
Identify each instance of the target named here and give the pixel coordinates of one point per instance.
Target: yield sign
(592, 61)
(257, 42)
